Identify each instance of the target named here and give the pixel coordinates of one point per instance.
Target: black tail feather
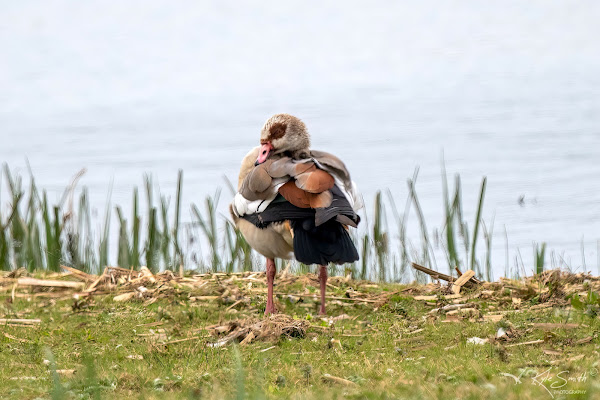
(319, 234)
(324, 244)
(339, 207)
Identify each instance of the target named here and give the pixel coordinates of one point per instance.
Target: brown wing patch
(320, 200)
(333, 165)
(303, 199)
(315, 180)
(295, 195)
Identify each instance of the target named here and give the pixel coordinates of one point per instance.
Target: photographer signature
(552, 382)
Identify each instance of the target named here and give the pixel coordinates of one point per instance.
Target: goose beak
(264, 153)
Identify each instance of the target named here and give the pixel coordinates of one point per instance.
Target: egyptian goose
(295, 202)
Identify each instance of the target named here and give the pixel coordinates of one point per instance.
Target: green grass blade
(540, 256)
(178, 257)
(477, 221)
(135, 232)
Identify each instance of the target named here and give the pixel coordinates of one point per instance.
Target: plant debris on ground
(132, 332)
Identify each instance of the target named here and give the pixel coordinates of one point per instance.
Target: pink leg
(323, 282)
(270, 309)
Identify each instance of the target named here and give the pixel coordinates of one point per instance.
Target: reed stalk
(39, 235)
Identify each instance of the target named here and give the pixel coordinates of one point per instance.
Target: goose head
(283, 133)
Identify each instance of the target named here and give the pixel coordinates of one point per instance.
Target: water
(506, 89)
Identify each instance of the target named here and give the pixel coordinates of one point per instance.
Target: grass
(540, 258)
(400, 350)
(96, 348)
(38, 235)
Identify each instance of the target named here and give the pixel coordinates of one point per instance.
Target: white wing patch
(243, 206)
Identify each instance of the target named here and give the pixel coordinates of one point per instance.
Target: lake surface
(506, 89)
